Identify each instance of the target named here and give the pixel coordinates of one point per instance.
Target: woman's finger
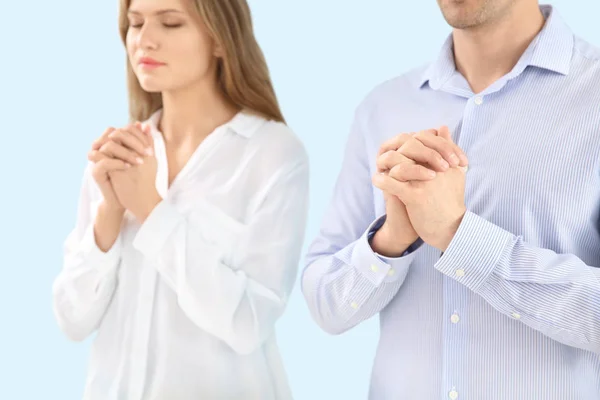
(96, 144)
(107, 165)
(147, 132)
(130, 140)
(138, 130)
(95, 156)
(113, 149)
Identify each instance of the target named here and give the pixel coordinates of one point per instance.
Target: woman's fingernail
(432, 173)
(149, 151)
(139, 160)
(445, 164)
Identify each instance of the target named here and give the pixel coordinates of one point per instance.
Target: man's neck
(486, 53)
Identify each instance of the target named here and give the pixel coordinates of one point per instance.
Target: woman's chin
(151, 85)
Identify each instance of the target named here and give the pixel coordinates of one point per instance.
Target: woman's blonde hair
(242, 70)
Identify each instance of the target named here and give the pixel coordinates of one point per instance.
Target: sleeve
(555, 294)
(344, 281)
(86, 283)
(236, 294)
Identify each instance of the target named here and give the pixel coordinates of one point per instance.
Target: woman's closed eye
(172, 25)
(138, 25)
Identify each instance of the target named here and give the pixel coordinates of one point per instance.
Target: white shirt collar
(244, 123)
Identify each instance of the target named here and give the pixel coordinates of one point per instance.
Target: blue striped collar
(552, 49)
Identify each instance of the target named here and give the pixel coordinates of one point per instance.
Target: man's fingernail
(445, 164)
(432, 173)
(454, 159)
(149, 151)
(139, 160)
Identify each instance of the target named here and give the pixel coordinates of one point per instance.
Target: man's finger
(421, 154)
(441, 146)
(390, 185)
(411, 172)
(390, 159)
(444, 132)
(398, 141)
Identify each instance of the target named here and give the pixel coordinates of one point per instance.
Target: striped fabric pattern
(512, 309)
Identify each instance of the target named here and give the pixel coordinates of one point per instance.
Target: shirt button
(391, 272)
(374, 268)
(455, 318)
(453, 395)
(354, 305)
(460, 272)
(516, 316)
(479, 100)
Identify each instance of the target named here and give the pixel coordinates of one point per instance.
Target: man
(485, 281)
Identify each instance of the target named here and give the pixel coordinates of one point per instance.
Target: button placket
(455, 318)
(453, 394)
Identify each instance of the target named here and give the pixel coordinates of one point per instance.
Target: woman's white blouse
(185, 305)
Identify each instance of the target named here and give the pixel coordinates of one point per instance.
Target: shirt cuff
(156, 229)
(376, 268)
(474, 252)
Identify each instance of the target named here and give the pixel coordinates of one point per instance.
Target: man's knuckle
(389, 156)
(432, 154)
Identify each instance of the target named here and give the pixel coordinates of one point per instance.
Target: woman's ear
(218, 51)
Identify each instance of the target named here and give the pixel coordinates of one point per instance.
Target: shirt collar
(244, 123)
(553, 49)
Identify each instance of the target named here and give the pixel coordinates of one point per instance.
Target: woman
(191, 221)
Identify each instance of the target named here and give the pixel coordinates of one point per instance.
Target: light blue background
(62, 80)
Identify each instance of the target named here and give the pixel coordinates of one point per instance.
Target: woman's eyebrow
(159, 12)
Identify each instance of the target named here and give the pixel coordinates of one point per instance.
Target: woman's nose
(147, 37)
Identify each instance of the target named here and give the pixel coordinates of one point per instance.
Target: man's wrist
(450, 232)
(392, 244)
